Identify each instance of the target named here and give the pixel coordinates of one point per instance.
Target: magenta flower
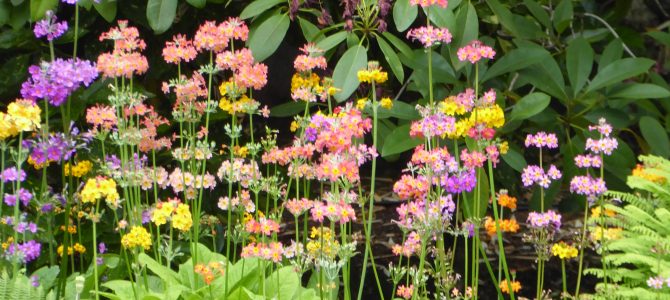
(588, 186)
(588, 161)
(55, 81)
(533, 174)
(430, 36)
(49, 27)
(542, 140)
(546, 220)
(475, 51)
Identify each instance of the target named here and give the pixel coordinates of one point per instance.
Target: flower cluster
(542, 140)
(475, 51)
(49, 27)
(178, 50)
(504, 286)
(125, 60)
(26, 252)
(564, 251)
(209, 271)
(22, 116)
(310, 59)
(533, 174)
(263, 226)
(588, 186)
(99, 187)
(79, 169)
(405, 292)
(605, 144)
(272, 251)
(657, 282)
(137, 237)
(546, 220)
(588, 161)
(373, 73)
(507, 225)
(173, 210)
(430, 36)
(76, 248)
(55, 81)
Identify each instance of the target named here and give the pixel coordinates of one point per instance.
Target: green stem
(582, 247)
(565, 288)
(501, 248)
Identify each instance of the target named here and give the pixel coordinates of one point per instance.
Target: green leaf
(398, 44)
(39, 7)
(288, 109)
(345, 75)
(579, 61)
(655, 135)
(283, 283)
(640, 91)
(563, 15)
(309, 30)
(466, 31)
(392, 59)
(399, 141)
(107, 9)
(515, 160)
(331, 41)
(161, 271)
(404, 14)
(258, 7)
(400, 110)
(661, 37)
(613, 51)
(515, 60)
(547, 77)
(197, 3)
(529, 106)
(442, 17)
(265, 39)
(517, 25)
(160, 14)
(620, 70)
(538, 12)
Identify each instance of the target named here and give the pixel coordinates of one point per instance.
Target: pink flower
(427, 3)
(430, 36)
(178, 50)
(475, 51)
(209, 37)
(310, 59)
(405, 292)
(542, 140)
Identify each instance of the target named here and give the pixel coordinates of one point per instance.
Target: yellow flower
(386, 102)
(516, 286)
(78, 170)
(504, 147)
(182, 220)
(79, 248)
(7, 128)
(162, 212)
(241, 151)
(360, 103)
(598, 233)
(25, 115)
(310, 81)
(564, 251)
(639, 171)
(492, 117)
(99, 187)
(373, 73)
(450, 107)
(137, 237)
(294, 126)
(596, 211)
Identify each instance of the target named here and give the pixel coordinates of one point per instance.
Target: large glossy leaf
(579, 61)
(288, 109)
(517, 25)
(39, 7)
(466, 30)
(400, 110)
(404, 14)
(515, 60)
(197, 3)
(399, 141)
(392, 58)
(332, 41)
(441, 17)
(620, 70)
(345, 74)
(107, 9)
(309, 30)
(160, 14)
(563, 15)
(282, 284)
(514, 159)
(640, 91)
(547, 76)
(538, 12)
(399, 44)
(265, 39)
(613, 52)
(258, 7)
(655, 135)
(529, 106)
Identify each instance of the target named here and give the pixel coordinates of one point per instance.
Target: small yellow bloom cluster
(564, 251)
(240, 106)
(22, 115)
(640, 171)
(361, 103)
(372, 74)
(504, 288)
(70, 229)
(99, 187)
(506, 225)
(5, 245)
(309, 81)
(137, 237)
(596, 212)
(178, 213)
(451, 107)
(505, 200)
(493, 116)
(598, 233)
(78, 170)
(386, 102)
(78, 248)
(322, 243)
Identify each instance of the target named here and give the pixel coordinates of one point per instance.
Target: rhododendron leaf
(404, 14)
(160, 14)
(579, 62)
(392, 59)
(613, 52)
(538, 12)
(514, 159)
(107, 9)
(515, 60)
(442, 17)
(465, 32)
(331, 41)
(640, 91)
(282, 284)
(655, 135)
(399, 44)
(345, 74)
(529, 106)
(546, 75)
(563, 15)
(39, 7)
(258, 7)
(309, 30)
(200, 3)
(619, 70)
(517, 25)
(265, 39)
(399, 141)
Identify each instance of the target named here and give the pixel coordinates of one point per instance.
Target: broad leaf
(282, 284)
(404, 14)
(620, 70)
(258, 7)
(197, 3)
(38, 8)
(265, 39)
(345, 75)
(107, 9)
(640, 91)
(392, 59)
(332, 41)
(160, 14)
(579, 61)
(529, 106)
(655, 135)
(515, 60)
(399, 141)
(563, 15)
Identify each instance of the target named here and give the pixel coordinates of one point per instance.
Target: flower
(475, 51)
(655, 282)
(386, 102)
(27, 252)
(564, 251)
(137, 237)
(178, 50)
(588, 161)
(430, 36)
(504, 286)
(312, 58)
(210, 37)
(79, 169)
(101, 117)
(428, 3)
(505, 200)
(49, 27)
(588, 186)
(99, 187)
(542, 140)
(125, 60)
(406, 292)
(549, 219)
(373, 73)
(507, 225)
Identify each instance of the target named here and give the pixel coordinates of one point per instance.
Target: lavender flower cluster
(55, 81)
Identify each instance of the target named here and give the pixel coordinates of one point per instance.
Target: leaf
(404, 14)
(613, 51)
(547, 77)
(392, 58)
(517, 25)
(529, 106)
(399, 141)
(282, 284)
(265, 39)
(258, 7)
(442, 17)
(309, 30)
(514, 159)
(515, 60)
(38, 8)
(579, 61)
(466, 31)
(107, 9)
(398, 44)
(640, 91)
(161, 271)
(538, 12)
(160, 14)
(620, 70)
(331, 41)
(197, 3)
(400, 110)
(563, 15)
(288, 109)
(655, 135)
(345, 74)
(661, 37)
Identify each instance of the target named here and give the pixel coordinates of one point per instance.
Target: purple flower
(56, 80)
(605, 145)
(35, 281)
(588, 161)
(655, 282)
(54, 148)
(548, 220)
(464, 181)
(27, 251)
(542, 140)
(146, 216)
(102, 248)
(46, 207)
(588, 186)
(23, 195)
(50, 27)
(12, 174)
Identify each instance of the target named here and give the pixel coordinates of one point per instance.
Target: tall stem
(582, 247)
(501, 248)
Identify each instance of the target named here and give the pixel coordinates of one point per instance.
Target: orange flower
(516, 286)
